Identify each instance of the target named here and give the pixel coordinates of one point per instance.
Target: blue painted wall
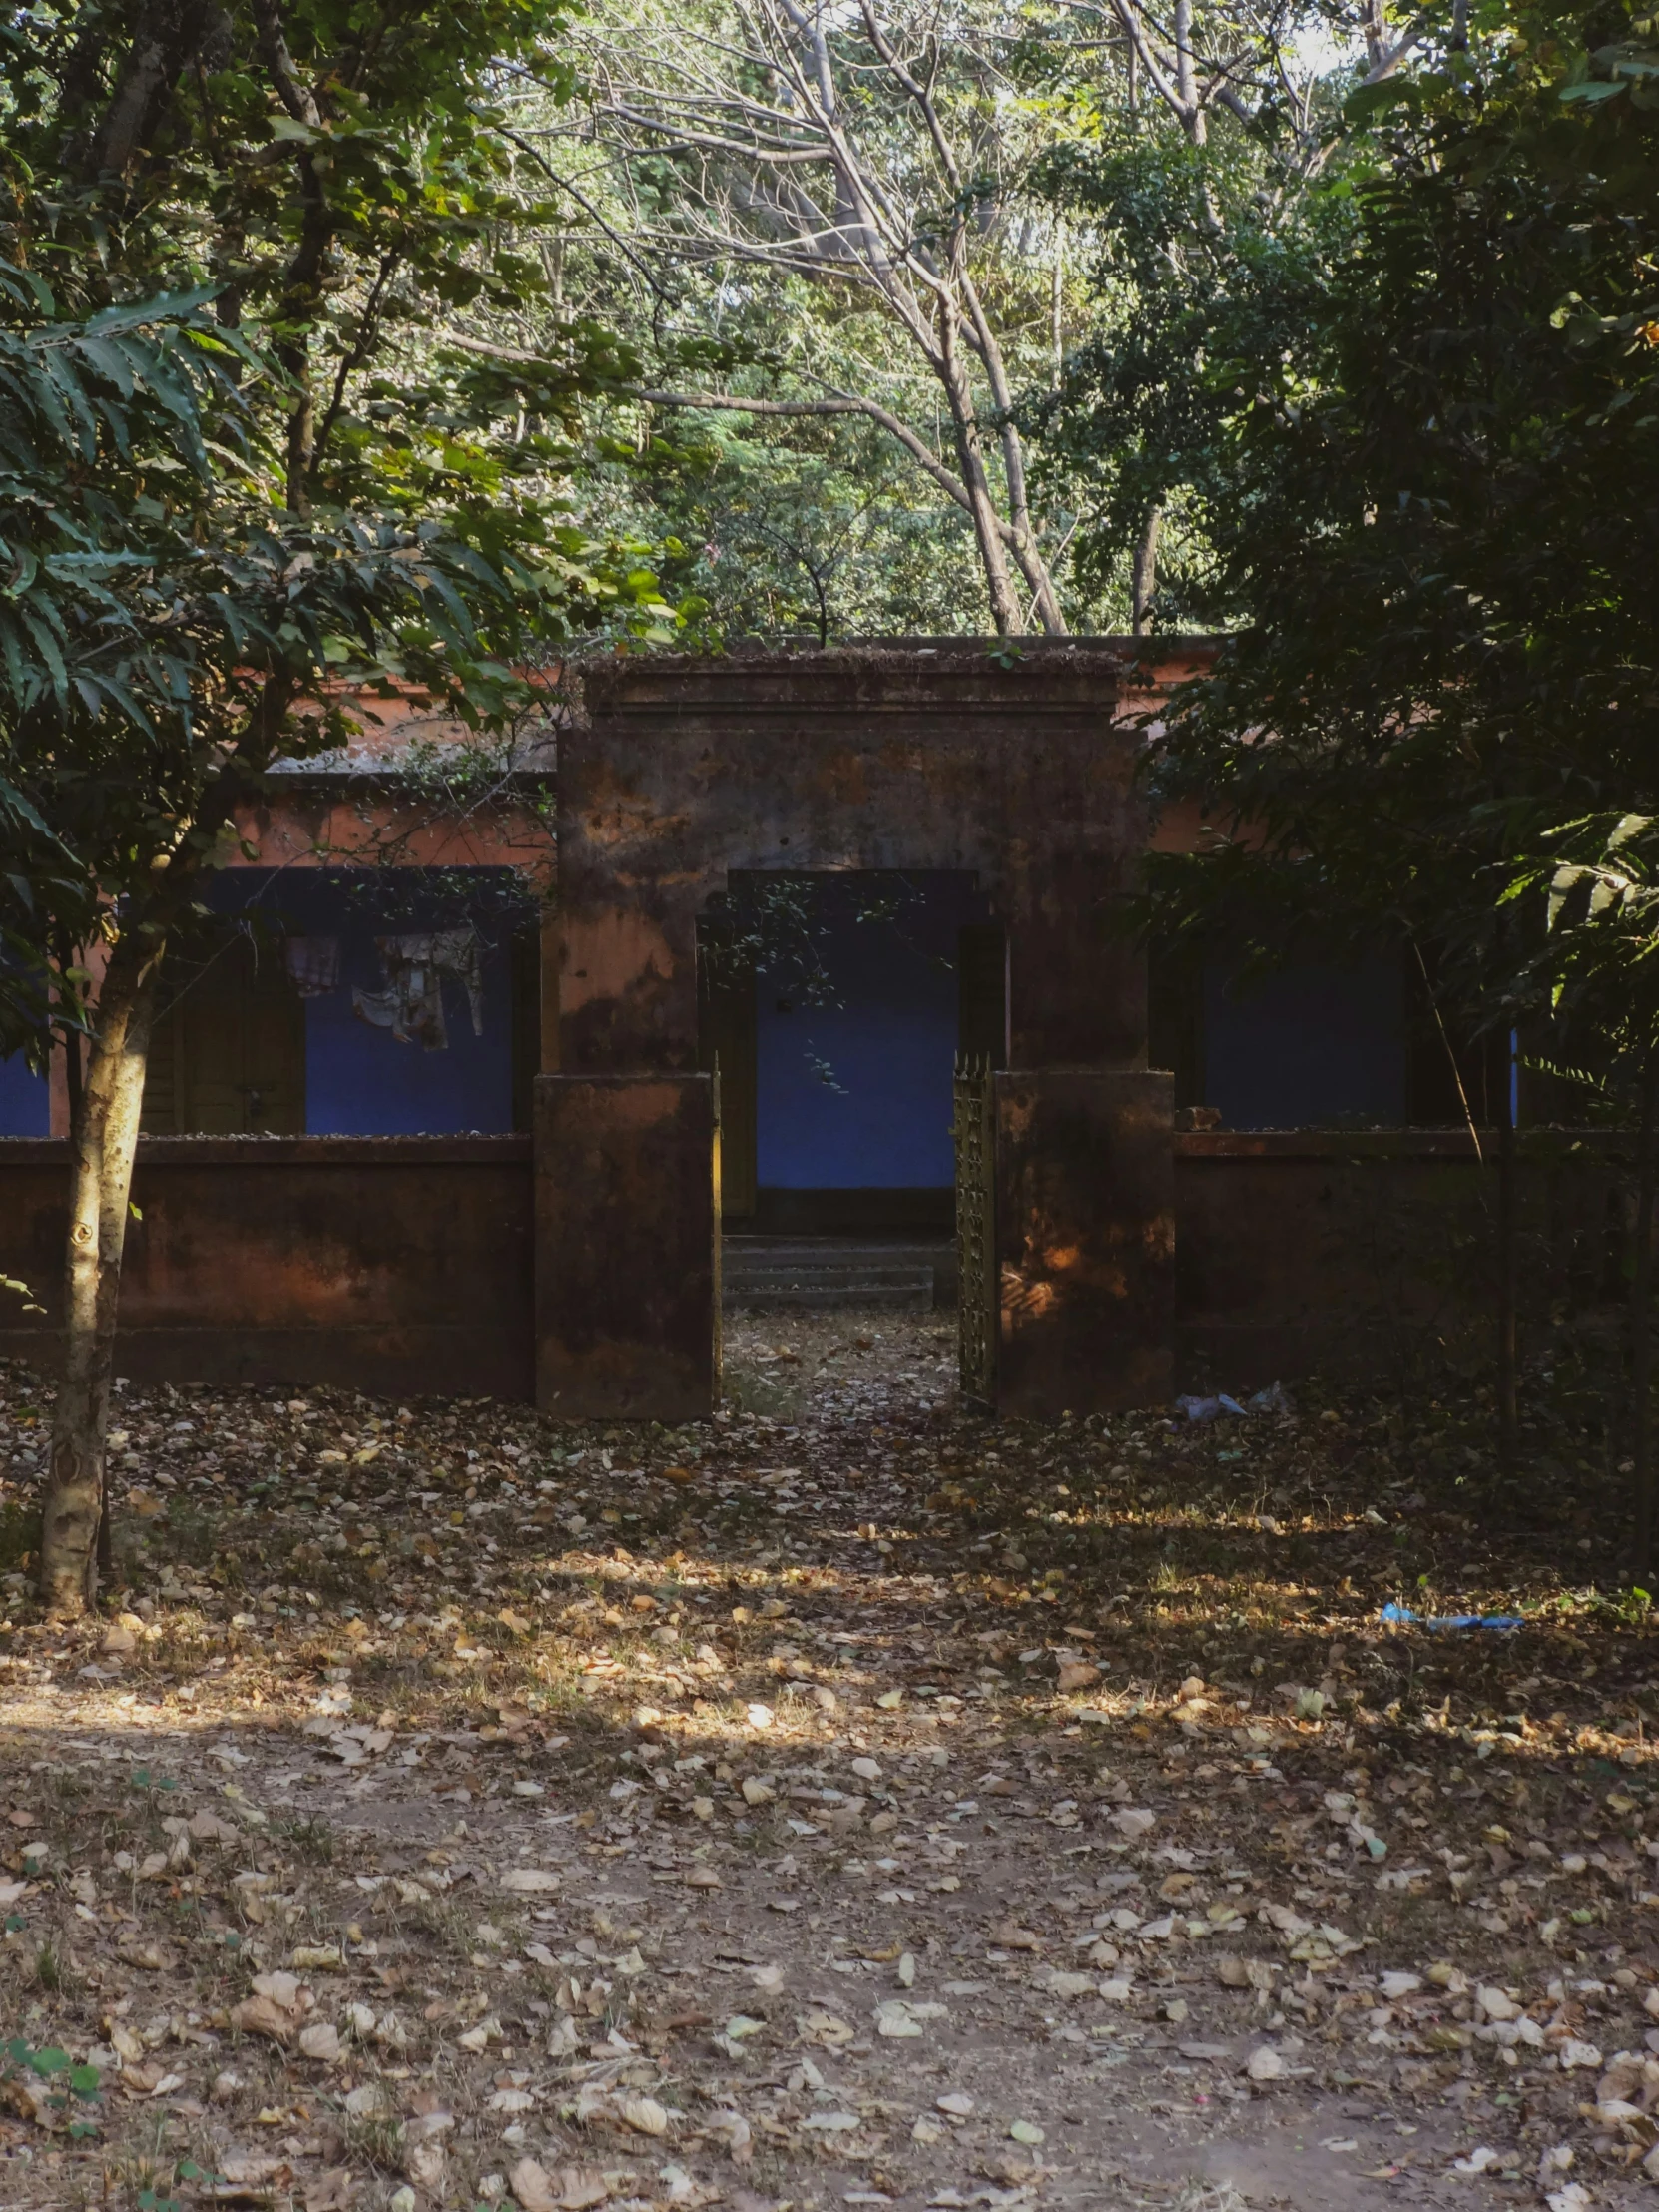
(854, 1094)
(360, 1081)
(25, 1101)
(1308, 1046)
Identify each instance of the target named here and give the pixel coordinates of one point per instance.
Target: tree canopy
(894, 226)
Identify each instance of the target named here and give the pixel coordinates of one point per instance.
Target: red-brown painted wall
(1375, 1254)
(403, 1265)
(387, 1265)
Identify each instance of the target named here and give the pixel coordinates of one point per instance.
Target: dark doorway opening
(834, 1006)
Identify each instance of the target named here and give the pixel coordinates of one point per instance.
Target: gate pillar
(626, 1246)
(1066, 1239)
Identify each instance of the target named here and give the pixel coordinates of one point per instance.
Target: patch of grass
(143, 2169)
(309, 1838)
(377, 2138)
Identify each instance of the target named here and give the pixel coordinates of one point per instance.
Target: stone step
(820, 1277)
(875, 1252)
(906, 1290)
(828, 1271)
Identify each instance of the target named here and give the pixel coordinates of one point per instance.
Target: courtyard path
(847, 1801)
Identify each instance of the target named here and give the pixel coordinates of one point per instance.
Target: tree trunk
(74, 1068)
(1641, 1314)
(103, 1149)
(1186, 74)
(74, 1081)
(1508, 1274)
(1144, 578)
(166, 35)
(1006, 612)
(1044, 601)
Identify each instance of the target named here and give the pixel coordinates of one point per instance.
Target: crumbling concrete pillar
(626, 1246)
(1085, 1241)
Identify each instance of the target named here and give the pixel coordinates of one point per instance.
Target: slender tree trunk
(1144, 578)
(74, 1074)
(1045, 601)
(165, 36)
(1006, 612)
(74, 1081)
(302, 290)
(1641, 1316)
(1509, 1276)
(103, 1149)
(1375, 25)
(1186, 74)
(1033, 568)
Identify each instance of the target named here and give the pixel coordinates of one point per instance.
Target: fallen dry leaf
(564, 2189)
(332, 2191)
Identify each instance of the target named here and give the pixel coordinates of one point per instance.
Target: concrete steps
(764, 1273)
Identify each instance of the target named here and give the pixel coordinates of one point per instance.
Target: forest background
(967, 289)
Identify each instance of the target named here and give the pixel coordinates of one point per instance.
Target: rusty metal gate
(976, 1269)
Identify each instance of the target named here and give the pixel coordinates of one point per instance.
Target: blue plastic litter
(1402, 1617)
(1208, 1408)
(1271, 1400)
(1274, 1400)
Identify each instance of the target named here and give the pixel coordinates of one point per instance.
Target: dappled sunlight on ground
(849, 1800)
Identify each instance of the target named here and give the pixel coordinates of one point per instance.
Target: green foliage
(1597, 878)
(820, 532)
(1200, 284)
(736, 275)
(1442, 528)
(245, 452)
(1439, 532)
(18, 1535)
(73, 2090)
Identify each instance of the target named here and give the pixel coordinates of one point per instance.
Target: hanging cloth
(313, 964)
(412, 1004)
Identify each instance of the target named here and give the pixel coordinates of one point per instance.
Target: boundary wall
(420, 1265)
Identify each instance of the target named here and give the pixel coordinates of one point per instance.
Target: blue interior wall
(854, 1093)
(25, 1100)
(360, 1081)
(1307, 1046)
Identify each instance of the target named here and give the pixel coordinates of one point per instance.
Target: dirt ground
(847, 1801)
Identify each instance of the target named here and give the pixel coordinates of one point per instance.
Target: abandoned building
(800, 967)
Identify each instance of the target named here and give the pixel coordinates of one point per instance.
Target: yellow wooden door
(228, 1054)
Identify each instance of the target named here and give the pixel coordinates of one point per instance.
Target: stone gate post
(1085, 1240)
(628, 1247)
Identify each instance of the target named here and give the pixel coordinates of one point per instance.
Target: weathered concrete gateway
(1012, 768)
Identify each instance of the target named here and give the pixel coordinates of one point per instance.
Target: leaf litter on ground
(844, 1799)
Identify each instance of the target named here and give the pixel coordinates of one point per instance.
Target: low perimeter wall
(400, 1265)
(391, 1265)
(1376, 1254)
